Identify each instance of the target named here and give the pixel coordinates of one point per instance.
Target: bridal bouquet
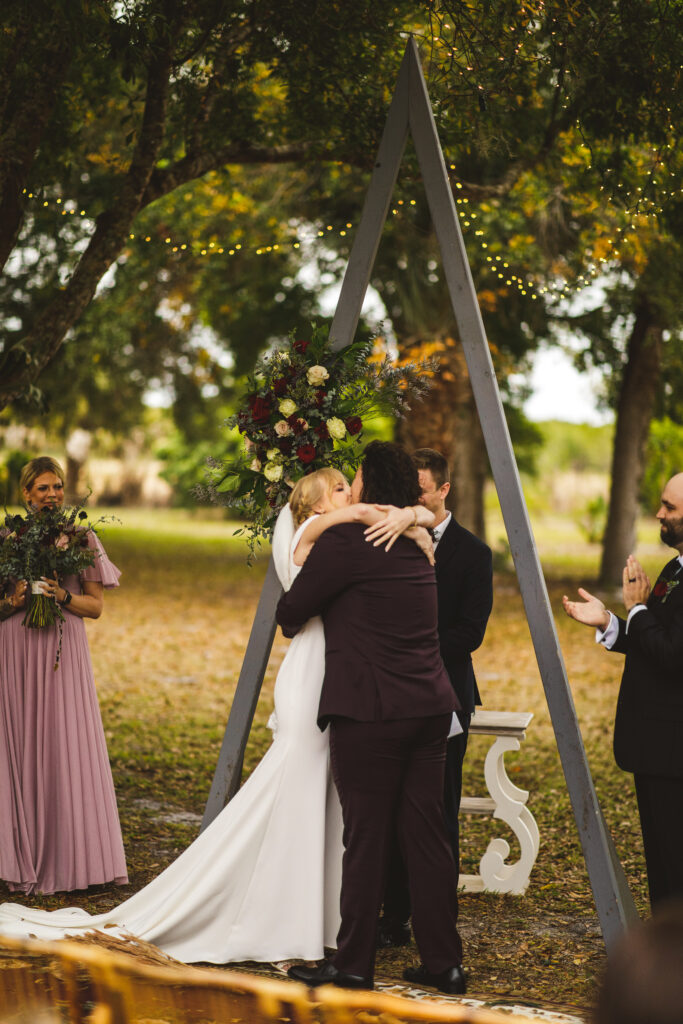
(43, 542)
(304, 408)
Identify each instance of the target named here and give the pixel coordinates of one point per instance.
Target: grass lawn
(167, 654)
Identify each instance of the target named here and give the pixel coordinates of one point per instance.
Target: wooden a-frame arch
(410, 110)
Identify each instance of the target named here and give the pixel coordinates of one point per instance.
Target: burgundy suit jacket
(379, 609)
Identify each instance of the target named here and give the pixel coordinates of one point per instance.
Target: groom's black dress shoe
(391, 934)
(327, 974)
(451, 980)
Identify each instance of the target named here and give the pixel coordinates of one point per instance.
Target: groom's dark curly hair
(389, 475)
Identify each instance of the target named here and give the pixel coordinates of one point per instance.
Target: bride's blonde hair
(308, 491)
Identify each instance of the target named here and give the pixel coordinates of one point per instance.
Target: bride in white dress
(262, 881)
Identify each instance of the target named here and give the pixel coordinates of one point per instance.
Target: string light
(641, 208)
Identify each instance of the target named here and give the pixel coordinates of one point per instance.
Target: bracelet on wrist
(67, 598)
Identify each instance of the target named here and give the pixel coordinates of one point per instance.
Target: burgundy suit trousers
(390, 776)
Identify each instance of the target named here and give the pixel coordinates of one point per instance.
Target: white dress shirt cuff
(608, 636)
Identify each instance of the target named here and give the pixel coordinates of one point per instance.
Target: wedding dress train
(262, 881)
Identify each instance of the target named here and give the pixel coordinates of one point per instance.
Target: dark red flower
(354, 424)
(285, 445)
(260, 409)
(301, 346)
(306, 453)
(322, 431)
(279, 386)
(296, 424)
(659, 588)
(319, 398)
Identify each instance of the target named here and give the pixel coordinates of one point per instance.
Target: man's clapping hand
(591, 610)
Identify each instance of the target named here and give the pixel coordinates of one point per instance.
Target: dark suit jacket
(464, 580)
(648, 730)
(379, 609)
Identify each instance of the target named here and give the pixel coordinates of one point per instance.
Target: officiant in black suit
(389, 703)
(464, 581)
(648, 729)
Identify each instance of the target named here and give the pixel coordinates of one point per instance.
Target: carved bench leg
(510, 808)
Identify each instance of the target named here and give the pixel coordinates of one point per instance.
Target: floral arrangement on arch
(305, 408)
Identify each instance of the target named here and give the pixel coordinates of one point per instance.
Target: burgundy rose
(301, 346)
(306, 453)
(354, 424)
(280, 386)
(322, 431)
(296, 424)
(659, 588)
(319, 398)
(260, 410)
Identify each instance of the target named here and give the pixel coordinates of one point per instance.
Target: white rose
(273, 454)
(337, 428)
(287, 407)
(255, 464)
(273, 471)
(282, 428)
(317, 375)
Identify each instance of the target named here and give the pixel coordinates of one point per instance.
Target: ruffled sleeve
(103, 569)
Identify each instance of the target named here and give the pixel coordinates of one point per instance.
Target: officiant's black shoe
(391, 934)
(451, 981)
(327, 974)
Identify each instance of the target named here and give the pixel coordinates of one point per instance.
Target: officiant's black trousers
(660, 805)
(389, 776)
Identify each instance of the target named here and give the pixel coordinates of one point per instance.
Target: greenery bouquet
(304, 408)
(48, 542)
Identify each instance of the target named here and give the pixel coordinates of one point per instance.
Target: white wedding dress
(263, 881)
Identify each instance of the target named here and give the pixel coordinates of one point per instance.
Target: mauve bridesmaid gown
(59, 824)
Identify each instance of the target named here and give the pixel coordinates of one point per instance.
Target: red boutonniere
(663, 588)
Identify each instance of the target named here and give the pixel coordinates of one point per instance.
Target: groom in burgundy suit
(389, 701)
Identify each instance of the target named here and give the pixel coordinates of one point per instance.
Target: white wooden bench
(506, 802)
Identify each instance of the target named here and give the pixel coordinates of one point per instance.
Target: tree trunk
(447, 420)
(77, 450)
(22, 364)
(634, 413)
(25, 117)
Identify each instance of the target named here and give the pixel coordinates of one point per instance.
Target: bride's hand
(423, 539)
(395, 522)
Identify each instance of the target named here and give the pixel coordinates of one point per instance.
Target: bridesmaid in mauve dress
(59, 824)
